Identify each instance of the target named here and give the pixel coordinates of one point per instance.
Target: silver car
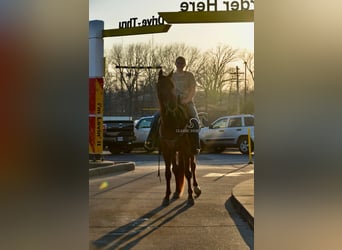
(228, 132)
(141, 130)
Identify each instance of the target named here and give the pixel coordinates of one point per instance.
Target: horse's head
(166, 90)
(165, 86)
(172, 112)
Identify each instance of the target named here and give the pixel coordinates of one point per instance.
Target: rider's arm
(192, 90)
(190, 95)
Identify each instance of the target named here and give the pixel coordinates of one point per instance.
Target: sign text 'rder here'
(209, 5)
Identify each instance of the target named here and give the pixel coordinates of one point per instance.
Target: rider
(185, 85)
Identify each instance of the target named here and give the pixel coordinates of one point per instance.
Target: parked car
(118, 135)
(141, 130)
(228, 132)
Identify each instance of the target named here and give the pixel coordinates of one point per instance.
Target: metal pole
(96, 74)
(96, 49)
(249, 147)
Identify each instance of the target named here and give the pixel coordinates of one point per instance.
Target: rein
(159, 153)
(171, 110)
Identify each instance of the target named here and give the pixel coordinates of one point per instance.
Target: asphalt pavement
(242, 194)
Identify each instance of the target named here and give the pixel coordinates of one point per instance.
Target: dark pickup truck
(118, 136)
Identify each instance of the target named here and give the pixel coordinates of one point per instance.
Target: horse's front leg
(168, 175)
(179, 178)
(188, 174)
(197, 189)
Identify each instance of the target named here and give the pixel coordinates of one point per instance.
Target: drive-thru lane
(125, 210)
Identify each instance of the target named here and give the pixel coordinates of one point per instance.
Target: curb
(243, 211)
(239, 206)
(107, 167)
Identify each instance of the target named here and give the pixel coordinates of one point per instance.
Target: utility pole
(245, 82)
(237, 73)
(237, 90)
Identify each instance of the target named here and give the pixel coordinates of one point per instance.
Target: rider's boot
(194, 135)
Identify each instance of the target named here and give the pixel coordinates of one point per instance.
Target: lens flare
(103, 185)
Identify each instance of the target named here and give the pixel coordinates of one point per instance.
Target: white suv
(228, 131)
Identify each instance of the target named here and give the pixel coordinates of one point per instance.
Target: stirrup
(148, 145)
(196, 151)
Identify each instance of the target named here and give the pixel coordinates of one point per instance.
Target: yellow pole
(249, 146)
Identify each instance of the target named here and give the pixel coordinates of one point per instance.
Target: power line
(138, 67)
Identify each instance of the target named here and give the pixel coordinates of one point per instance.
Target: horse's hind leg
(197, 189)
(188, 177)
(176, 194)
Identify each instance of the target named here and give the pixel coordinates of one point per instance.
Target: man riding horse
(185, 85)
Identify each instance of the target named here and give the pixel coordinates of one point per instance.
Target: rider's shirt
(184, 82)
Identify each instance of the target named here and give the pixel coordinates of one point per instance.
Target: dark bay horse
(175, 142)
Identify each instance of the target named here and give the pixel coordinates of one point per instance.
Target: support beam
(137, 30)
(235, 16)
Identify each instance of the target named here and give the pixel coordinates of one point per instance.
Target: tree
(248, 58)
(213, 75)
(127, 61)
(131, 89)
(109, 84)
(166, 56)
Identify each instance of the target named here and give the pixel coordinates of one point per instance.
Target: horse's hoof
(197, 191)
(165, 202)
(175, 196)
(191, 202)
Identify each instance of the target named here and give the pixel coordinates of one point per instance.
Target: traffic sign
(208, 16)
(136, 30)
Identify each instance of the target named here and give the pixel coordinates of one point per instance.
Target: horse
(174, 141)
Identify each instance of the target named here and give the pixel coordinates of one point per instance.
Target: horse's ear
(160, 72)
(170, 75)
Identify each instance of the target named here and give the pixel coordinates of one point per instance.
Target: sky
(203, 36)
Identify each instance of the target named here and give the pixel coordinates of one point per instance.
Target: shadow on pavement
(231, 171)
(245, 231)
(122, 184)
(137, 229)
